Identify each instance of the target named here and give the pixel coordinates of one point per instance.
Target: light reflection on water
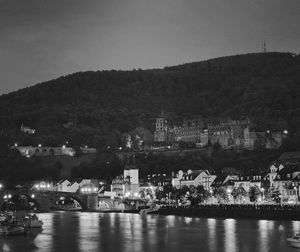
(211, 224)
(75, 231)
(88, 231)
(230, 235)
(263, 230)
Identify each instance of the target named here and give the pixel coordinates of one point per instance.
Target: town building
(27, 130)
(67, 186)
(89, 186)
(82, 185)
(176, 179)
(29, 151)
(286, 183)
(127, 185)
(159, 180)
(275, 167)
(208, 180)
(194, 178)
(224, 180)
(118, 186)
(250, 181)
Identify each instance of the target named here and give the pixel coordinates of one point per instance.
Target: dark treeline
(96, 108)
(16, 169)
(245, 162)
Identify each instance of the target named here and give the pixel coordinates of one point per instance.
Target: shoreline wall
(236, 211)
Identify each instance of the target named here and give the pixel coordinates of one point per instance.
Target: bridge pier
(92, 202)
(44, 203)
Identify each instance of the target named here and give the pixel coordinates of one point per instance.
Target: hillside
(96, 108)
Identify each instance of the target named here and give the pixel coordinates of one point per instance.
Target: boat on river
(10, 226)
(12, 229)
(149, 210)
(32, 221)
(294, 241)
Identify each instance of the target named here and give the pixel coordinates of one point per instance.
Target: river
(85, 231)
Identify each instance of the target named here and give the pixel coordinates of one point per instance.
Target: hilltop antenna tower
(264, 47)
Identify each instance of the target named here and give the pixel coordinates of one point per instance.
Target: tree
(276, 196)
(221, 195)
(202, 194)
(239, 193)
(254, 193)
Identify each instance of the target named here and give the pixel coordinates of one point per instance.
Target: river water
(80, 231)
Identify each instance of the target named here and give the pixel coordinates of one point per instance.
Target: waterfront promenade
(261, 211)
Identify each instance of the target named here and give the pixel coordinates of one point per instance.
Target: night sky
(44, 39)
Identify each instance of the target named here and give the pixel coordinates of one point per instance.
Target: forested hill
(98, 107)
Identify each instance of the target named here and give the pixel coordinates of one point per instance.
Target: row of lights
(64, 146)
(284, 132)
(120, 148)
(42, 186)
(7, 196)
(89, 189)
(229, 191)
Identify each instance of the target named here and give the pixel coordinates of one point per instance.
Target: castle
(228, 133)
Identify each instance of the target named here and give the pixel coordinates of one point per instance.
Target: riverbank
(269, 212)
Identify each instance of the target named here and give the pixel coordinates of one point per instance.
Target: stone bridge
(46, 200)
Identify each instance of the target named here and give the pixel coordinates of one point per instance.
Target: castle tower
(161, 129)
